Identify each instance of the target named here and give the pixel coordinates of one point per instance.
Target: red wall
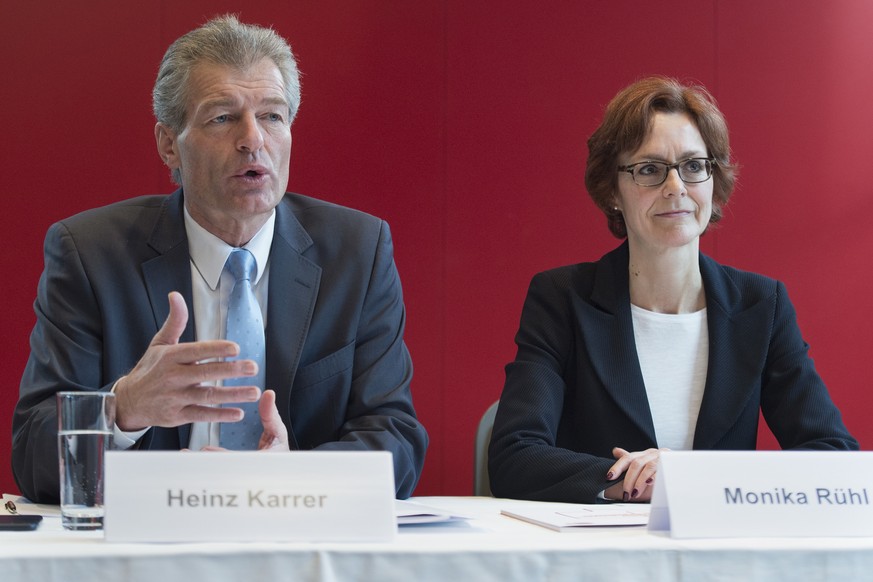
(464, 125)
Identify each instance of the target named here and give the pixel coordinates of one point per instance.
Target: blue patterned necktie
(245, 326)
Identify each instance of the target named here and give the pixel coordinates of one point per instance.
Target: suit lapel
(294, 283)
(608, 335)
(169, 271)
(737, 348)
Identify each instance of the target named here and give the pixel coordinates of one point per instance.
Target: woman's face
(674, 213)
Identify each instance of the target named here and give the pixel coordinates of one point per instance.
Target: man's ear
(165, 139)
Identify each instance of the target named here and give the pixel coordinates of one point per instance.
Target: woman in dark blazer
(655, 346)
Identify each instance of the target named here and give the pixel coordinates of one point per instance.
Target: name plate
(311, 496)
(763, 494)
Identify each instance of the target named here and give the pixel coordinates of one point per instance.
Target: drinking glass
(86, 421)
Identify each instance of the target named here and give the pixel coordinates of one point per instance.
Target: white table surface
(488, 546)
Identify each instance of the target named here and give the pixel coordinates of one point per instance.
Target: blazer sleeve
(380, 414)
(794, 399)
(65, 354)
(525, 461)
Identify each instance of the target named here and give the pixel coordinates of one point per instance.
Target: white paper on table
(570, 517)
(412, 513)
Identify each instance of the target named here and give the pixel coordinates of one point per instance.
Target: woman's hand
(639, 469)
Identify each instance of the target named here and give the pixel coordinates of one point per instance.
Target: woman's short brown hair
(626, 125)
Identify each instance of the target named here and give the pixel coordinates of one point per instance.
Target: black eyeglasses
(691, 171)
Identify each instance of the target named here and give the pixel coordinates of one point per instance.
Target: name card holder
(705, 494)
(307, 496)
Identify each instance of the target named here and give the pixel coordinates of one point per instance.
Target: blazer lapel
(294, 283)
(169, 271)
(608, 334)
(737, 348)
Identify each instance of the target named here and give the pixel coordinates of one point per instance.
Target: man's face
(235, 149)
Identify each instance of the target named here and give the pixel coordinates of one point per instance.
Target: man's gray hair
(222, 41)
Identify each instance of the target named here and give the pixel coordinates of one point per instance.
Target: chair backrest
(481, 483)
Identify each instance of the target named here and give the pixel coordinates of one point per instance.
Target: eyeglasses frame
(630, 170)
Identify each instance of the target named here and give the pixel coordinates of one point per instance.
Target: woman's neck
(666, 280)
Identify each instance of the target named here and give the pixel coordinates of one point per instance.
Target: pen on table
(10, 507)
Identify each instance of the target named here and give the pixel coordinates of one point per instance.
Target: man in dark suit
(133, 295)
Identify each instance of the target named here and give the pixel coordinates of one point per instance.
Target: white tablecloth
(488, 546)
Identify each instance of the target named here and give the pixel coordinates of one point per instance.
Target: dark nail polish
(634, 494)
(624, 496)
(610, 476)
(649, 480)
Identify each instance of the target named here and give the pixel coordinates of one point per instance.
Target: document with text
(569, 517)
(412, 513)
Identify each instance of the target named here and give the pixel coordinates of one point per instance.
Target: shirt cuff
(124, 440)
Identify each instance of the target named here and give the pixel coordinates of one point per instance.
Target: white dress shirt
(211, 287)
